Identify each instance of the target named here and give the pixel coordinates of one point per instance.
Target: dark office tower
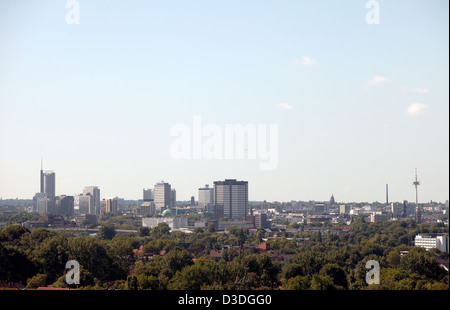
(404, 212)
(64, 205)
(49, 184)
(231, 199)
(47, 187)
(418, 215)
(41, 190)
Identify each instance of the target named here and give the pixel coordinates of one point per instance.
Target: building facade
(147, 194)
(231, 199)
(84, 204)
(431, 241)
(111, 205)
(162, 194)
(173, 222)
(64, 205)
(94, 191)
(206, 197)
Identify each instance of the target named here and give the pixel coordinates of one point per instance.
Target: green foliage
(37, 281)
(322, 262)
(160, 231)
(107, 231)
(15, 265)
(322, 282)
(144, 231)
(298, 283)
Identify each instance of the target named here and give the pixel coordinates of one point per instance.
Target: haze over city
(357, 105)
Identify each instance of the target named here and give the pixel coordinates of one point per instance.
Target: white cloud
(417, 109)
(305, 62)
(283, 106)
(415, 90)
(376, 81)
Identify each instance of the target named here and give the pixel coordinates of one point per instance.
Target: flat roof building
(231, 199)
(431, 241)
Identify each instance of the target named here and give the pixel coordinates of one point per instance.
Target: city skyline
(357, 103)
(164, 194)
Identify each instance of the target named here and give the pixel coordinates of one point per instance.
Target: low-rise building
(431, 241)
(173, 222)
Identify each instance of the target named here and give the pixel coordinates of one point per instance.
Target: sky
(357, 91)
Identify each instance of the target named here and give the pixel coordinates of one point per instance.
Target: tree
(147, 282)
(13, 233)
(144, 231)
(336, 273)
(418, 261)
(176, 260)
(38, 280)
(321, 282)
(159, 231)
(307, 263)
(298, 283)
(393, 258)
(203, 272)
(15, 265)
(52, 255)
(92, 255)
(132, 283)
(238, 233)
(107, 232)
(260, 232)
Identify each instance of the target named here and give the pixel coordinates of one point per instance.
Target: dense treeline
(181, 261)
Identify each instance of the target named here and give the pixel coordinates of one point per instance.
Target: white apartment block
(439, 242)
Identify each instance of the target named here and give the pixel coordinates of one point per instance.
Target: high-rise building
(231, 199)
(94, 191)
(147, 195)
(48, 183)
(42, 203)
(112, 205)
(48, 188)
(162, 195)
(173, 198)
(344, 209)
(147, 208)
(206, 197)
(64, 205)
(84, 204)
(261, 220)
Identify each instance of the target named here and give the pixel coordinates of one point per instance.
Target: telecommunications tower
(416, 183)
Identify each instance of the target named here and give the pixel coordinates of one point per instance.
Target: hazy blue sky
(357, 105)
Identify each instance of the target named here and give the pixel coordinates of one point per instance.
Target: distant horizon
(302, 99)
(212, 185)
